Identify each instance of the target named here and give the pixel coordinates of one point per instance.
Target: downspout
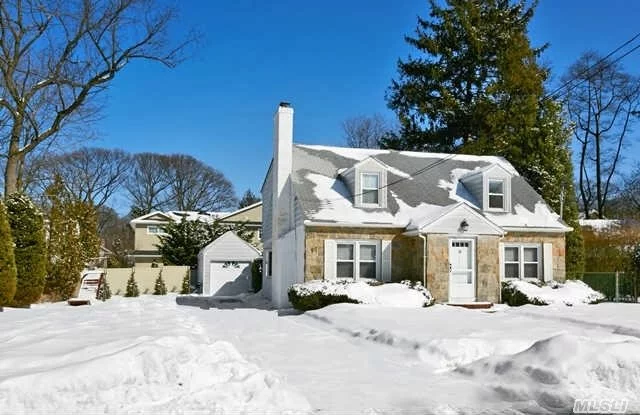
(424, 259)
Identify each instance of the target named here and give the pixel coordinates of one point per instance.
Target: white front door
(462, 279)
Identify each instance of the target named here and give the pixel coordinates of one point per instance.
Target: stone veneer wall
(406, 252)
(406, 257)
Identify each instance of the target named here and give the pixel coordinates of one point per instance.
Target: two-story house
(148, 228)
(460, 224)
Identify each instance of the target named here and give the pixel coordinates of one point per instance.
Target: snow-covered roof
(324, 196)
(600, 225)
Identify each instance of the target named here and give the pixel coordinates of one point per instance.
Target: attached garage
(224, 266)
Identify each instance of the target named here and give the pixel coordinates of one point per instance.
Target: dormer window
(369, 188)
(496, 194)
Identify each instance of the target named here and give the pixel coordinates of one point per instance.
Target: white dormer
(491, 186)
(367, 181)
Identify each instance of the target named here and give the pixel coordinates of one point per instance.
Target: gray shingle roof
(312, 163)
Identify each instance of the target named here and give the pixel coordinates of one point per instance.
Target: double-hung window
(496, 194)
(522, 261)
(369, 188)
(155, 230)
(357, 260)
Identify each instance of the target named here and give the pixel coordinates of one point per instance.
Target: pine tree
(186, 284)
(248, 199)
(132, 286)
(104, 291)
(7, 260)
(27, 229)
(476, 87)
(65, 257)
(160, 287)
(86, 216)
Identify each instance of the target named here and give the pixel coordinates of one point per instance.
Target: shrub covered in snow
(517, 293)
(316, 294)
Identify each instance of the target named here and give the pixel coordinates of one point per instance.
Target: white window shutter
(386, 260)
(329, 259)
(501, 260)
(547, 258)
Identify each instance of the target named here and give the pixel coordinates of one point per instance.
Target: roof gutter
(536, 229)
(353, 225)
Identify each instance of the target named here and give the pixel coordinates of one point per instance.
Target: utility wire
(586, 71)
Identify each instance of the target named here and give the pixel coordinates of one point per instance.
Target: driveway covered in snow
(149, 354)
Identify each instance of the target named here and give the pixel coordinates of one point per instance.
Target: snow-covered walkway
(148, 354)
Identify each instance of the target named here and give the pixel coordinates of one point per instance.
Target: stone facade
(406, 252)
(407, 256)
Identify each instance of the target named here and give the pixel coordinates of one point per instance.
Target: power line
(588, 69)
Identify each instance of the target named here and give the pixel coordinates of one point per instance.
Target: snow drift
(555, 371)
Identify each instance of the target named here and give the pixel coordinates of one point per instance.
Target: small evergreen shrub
(160, 287)
(315, 300)
(132, 286)
(186, 285)
(256, 275)
(104, 291)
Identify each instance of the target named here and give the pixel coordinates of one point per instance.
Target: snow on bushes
(320, 293)
(572, 292)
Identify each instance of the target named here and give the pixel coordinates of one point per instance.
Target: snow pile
(572, 292)
(128, 356)
(555, 371)
(404, 294)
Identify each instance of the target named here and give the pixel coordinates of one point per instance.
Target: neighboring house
(148, 228)
(460, 224)
(224, 266)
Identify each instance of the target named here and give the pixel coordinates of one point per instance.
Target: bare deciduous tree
(91, 175)
(56, 56)
(148, 183)
(365, 132)
(196, 186)
(603, 102)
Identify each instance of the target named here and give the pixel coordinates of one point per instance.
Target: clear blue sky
(331, 59)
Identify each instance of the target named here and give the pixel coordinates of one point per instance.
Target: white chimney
(282, 214)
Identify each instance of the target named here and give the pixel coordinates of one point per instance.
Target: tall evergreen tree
(248, 199)
(7, 260)
(65, 257)
(27, 229)
(477, 87)
(181, 242)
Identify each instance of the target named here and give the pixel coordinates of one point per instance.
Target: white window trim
(160, 227)
(363, 189)
(521, 261)
(356, 257)
(503, 194)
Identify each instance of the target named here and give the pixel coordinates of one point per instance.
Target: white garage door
(230, 278)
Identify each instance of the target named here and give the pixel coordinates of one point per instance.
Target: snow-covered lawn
(151, 355)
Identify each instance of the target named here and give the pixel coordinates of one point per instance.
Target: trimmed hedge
(316, 300)
(515, 298)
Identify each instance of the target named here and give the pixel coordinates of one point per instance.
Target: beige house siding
(405, 258)
(145, 241)
(250, 215)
